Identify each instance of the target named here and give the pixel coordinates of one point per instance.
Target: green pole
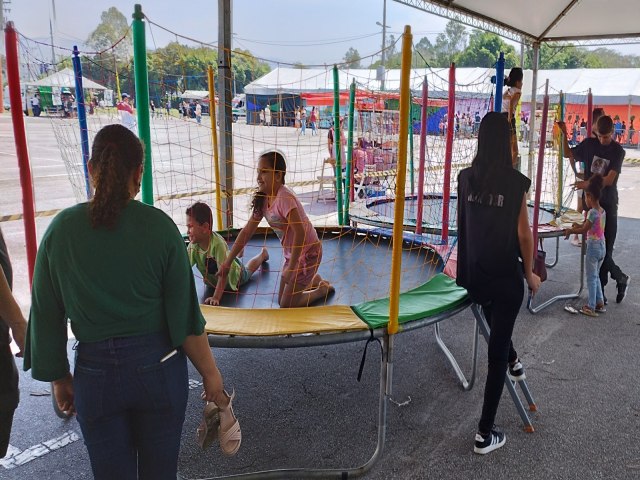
(337, 130)
(347, 193)
(142, 99)
(411, 174)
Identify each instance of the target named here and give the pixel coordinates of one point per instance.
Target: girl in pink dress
(300, 283)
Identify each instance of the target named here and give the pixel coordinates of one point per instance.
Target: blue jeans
(596, 251)
(303, 125)
(131, 406)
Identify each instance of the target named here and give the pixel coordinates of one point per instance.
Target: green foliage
(299, 65)
(484, 49)
(352, 57)
(112, 27)
(552, 57)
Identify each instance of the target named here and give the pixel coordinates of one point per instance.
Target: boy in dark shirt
(603, 155)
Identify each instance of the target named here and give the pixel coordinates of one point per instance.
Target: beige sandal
(230, 439)
(207, 431)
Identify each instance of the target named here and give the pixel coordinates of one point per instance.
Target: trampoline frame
(386, 380)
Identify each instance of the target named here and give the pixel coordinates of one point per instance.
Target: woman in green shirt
(118, 270)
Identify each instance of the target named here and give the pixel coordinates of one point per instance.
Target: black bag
(539, 265)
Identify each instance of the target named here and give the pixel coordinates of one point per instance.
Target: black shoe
(516, 372)
(494, 440)
(622, 288)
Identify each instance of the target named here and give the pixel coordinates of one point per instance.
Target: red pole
(589, 114)
(28, 210)
(543, 141)
(1, 92)
(423, 154)
(451, 125)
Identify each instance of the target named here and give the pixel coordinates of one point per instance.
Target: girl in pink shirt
(300, 283)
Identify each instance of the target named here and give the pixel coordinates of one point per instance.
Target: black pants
(609, 267)
(500, 304)
(9, 395)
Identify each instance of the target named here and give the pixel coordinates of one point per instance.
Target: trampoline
(247, 319)
(379, 212)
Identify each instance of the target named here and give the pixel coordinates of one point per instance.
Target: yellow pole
(214, 140)
(396, 254)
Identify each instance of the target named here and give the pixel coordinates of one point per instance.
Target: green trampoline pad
(436, 296)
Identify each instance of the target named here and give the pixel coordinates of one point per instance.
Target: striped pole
(448, 153)
(398, 223)
(543, 140)
(20, 139)
(589, 114)
(142, 99)
(560, 162)
(337, 143)
(214, 142)
(348, 189)
(82, 119)
(423, 155)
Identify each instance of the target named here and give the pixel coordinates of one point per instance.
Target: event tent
(65, 79)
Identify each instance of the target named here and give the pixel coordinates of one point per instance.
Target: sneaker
(622, 288)
(516, 372)
(494, 440)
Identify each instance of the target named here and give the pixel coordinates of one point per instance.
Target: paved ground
(304, 407)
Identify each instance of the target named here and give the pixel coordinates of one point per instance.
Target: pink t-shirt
(277, 213)
(598, 221)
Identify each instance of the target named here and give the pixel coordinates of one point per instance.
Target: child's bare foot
(264, 255)
(326, 285)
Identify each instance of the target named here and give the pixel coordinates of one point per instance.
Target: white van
(239, 107)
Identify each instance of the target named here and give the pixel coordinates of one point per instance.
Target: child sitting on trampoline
(207, 250)
(300, 283)
(593, 226)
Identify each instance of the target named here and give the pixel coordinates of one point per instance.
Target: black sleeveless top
(488, 247)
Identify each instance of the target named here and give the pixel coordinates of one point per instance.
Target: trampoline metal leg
(386, 379)
(466, 384)
(568, 296)
(511, 386)
(555, 260)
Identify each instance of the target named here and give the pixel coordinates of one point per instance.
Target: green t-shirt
(132, 280)
(207, 261)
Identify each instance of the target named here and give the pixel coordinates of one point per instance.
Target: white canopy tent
(65, 79)
(610, 86)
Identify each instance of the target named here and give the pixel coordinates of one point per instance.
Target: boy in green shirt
(207, 250)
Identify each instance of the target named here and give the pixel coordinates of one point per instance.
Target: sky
(279, 31)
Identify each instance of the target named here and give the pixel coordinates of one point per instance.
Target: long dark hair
(493, 155)
(115, 155)
(515, 75)
(595, 186)
(278, 163)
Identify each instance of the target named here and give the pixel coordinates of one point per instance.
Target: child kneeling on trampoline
(300, 283)
(593, 226)
(207, 250)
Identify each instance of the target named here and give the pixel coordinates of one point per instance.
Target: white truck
(239, 107)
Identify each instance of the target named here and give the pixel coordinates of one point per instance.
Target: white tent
(194, 94)
(65, 79)
(609, 86)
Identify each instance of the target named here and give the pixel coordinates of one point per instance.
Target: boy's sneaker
(622, 288)
(516, 372)
(494, 440)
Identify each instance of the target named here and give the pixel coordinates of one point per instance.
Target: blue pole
(497, 106)
(82, 119)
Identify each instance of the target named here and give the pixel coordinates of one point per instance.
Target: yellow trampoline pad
(280, 321)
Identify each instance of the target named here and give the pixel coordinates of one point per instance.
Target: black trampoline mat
(358, 265)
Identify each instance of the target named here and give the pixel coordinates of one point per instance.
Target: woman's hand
(19, 333)
(63, 394)
(533, 281)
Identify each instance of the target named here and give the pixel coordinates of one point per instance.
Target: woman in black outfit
(495, 252)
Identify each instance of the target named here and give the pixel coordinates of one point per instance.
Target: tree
(484, 49)
(449, 43)
(299, 65)
(112, 28)
(424, 52)
(352, 57)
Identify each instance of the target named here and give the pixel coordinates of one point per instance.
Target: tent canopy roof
(609, 86)
(65, 79)
(541, 20)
